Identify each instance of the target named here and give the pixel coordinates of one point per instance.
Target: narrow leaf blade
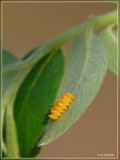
(109, 39)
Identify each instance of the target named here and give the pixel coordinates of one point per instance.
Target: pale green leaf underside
(86, 69)
(13, 79)
(109, 39)
(11, 82)
(8, 79)
(8, 58)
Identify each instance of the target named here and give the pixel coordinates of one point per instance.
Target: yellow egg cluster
(61, 105)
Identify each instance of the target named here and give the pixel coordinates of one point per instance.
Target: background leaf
(8, 58)
(34, 99)
(109, 39)
(86, 69)
(8, 78)
(11, 83)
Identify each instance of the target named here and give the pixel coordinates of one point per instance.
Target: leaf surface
(8, 79)
(109, 39)
(86, 69)
(11, 83)
(34, 99)
(7, 59)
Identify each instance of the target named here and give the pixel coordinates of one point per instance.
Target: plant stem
(57, 42)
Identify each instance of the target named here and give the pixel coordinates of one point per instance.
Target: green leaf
(11, 82)
(8, 78)
(30, 53)
(34, 99)
(86, 69)
(7, 59)
(109, 39)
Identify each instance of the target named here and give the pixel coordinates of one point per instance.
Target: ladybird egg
(61, 105)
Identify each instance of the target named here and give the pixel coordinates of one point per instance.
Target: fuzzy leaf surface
(86, 69)
(7, 59)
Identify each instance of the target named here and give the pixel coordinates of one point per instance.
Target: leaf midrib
(88, 43)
